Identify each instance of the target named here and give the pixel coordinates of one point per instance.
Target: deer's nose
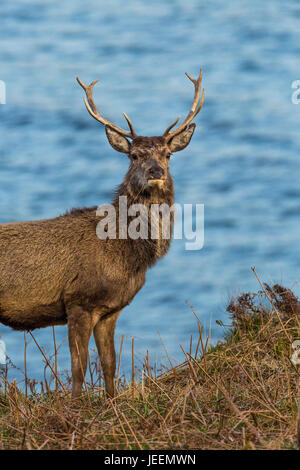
(156, 172)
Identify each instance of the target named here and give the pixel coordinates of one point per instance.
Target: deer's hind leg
(104, 337)
(80, 327)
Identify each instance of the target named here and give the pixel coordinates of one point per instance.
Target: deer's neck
(157, 241)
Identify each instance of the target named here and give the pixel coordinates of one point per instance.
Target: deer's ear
(180, 141)
(117, 141)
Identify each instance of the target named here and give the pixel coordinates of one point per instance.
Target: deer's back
(48, 265)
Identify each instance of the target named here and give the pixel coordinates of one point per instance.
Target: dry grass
(240, 394)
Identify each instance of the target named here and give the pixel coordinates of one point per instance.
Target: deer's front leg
(79, 331)
(104, 338)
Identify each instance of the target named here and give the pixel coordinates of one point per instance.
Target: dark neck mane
(142, 253)
(150, 249)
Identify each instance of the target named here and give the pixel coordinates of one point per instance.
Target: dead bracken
(239, 394)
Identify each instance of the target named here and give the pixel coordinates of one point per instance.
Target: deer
(58, 271)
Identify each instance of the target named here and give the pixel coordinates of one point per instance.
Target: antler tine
(170, 127)
(92, 109)
(195, 108)
(130, 125)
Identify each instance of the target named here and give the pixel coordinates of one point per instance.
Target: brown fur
(58, 271)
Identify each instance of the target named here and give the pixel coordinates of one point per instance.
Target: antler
(92, 109)
(195, 108)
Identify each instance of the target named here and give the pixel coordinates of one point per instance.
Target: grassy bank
(240, 394)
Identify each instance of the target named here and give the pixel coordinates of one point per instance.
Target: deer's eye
(134, 156)
(169, 156)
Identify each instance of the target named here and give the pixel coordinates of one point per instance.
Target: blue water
(243, 162)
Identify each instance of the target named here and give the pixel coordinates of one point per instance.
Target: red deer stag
(58, 271)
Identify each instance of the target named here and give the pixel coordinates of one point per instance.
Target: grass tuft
(239, 394)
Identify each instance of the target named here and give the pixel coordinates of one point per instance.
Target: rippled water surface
(243, 162)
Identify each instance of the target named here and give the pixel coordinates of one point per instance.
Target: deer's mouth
(156, 183)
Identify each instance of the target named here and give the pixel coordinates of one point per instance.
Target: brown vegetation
(239, 394)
